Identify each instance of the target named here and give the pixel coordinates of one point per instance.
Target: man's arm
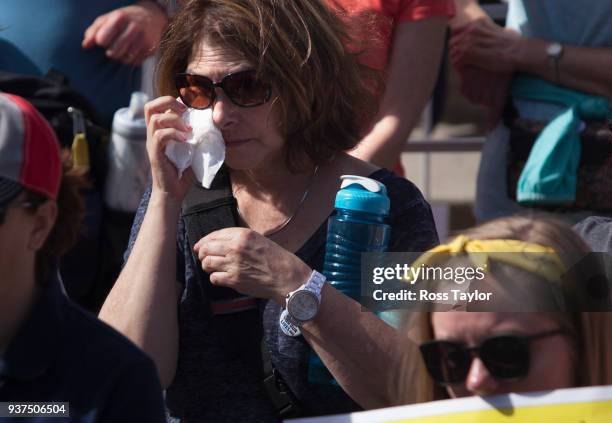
(411, 75)
(479, 43)
(585, 69)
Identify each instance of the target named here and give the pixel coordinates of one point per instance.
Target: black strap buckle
(281, 396)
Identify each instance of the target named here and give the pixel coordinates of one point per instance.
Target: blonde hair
(591, 328)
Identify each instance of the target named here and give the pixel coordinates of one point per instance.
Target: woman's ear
(43, 221)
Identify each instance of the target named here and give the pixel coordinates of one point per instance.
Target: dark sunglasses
(243, 88)
(506, 357)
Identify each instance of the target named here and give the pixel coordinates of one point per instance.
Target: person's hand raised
(164, 124)
(485, 45)
(250, 263)
(128, 34)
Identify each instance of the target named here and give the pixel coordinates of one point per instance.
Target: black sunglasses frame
(521, 342)
(180, 81)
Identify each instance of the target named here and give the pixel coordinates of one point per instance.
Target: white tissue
(204, 151)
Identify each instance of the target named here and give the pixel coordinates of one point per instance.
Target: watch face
(554, 49)
(303, 305)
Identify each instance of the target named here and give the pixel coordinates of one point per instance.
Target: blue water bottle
(357, 225)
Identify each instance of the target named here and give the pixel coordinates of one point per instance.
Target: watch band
(554, 51)
(289, 325)
(315, 283)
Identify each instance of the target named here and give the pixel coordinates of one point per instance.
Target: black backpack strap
(206, 211)
(285, 403)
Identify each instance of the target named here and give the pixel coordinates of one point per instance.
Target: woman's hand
(164, 124)
(248, 262)
(485, 45)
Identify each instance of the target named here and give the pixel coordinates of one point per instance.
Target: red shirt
(372, 22)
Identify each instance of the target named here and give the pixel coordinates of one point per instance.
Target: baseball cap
(29, 151)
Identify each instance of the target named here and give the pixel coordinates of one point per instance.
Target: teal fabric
(549, 176)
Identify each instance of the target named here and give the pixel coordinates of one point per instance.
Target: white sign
(577, 405)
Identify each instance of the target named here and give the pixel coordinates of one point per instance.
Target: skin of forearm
(412, 72)
(357, 347)
(581, 68)
(466, 11)
(143, 302)
(384, 143)
(160, 12)
(585, 69)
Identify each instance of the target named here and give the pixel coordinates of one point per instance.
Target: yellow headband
(542, 261)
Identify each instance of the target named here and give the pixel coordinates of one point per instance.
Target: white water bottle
(128, 164)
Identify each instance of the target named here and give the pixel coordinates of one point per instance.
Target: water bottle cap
(137, 103)
(129, 121)
(358, 193)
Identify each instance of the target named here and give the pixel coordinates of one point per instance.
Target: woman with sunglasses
(487, 352)
(289, 100)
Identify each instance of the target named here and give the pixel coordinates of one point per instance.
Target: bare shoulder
(344, 164)
(328, 178)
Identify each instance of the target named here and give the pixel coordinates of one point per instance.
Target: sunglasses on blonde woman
(506, 357)
(243, 89)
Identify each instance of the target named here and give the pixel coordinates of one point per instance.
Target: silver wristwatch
(554, 52)
(302, 305)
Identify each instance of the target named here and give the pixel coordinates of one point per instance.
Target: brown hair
(68, 225)
(326, 97)
(591, 328)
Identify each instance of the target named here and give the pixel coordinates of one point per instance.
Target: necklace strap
(282, 226)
